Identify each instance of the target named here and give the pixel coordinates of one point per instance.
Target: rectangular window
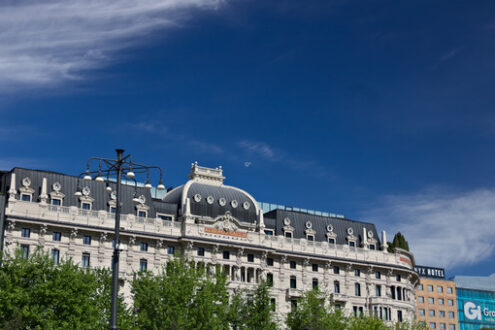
(431, 312)
(372, 246)
(440, 289)
(26, 197)
(336, 270)
(399, 315)
(331, 240)
(421, 299)
(378, 275)
(293, 305)
(397, 277)
(451, 315)
(378, 291)
(25, 251)
(269, 232)
(25, 232)
(143, 246)
(269, 261)
(293, 282)
(113, 209)
(440, 301)
(56, 236)
(201, 251)
(357, 289)
(143, 265)
(292, 264)
(55, 256)
(433, 325)
(56, 202)
(85, 260)
(164, 217)
(86, 206)
(430, 288)
(269, 279)
(142, 214)
(422, 312)
(336, 287)
(250, 257)
(273, 304)
(449, 290)
(311, 238)
(441, 313)
(288, 235)
(431, 300)
(315, 283)
(451, 326)
(226, 254)
(315, 267)
(451, 302)
(442, 326)
(170, 250)
(352, 244)
(357, 272)
(87, 240)
(420, 287)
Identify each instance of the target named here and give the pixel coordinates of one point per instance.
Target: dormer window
(352, 244)
(113, 209)
(331, 241)
(372, 246)
(86, 206)
(269, 232)
(288, 235)
(142, 214)
(56, 201)
(26, 197)
(310, 238)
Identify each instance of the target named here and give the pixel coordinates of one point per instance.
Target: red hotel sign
(406, 260)
(225, 232)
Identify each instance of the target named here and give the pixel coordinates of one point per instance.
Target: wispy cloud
(450, 54)
(45, 43)
(260, 148)
(443, 228)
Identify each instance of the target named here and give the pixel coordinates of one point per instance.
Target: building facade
(436, 299)
(215, 224)
(476, 302)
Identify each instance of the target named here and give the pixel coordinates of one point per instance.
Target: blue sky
(378, 110)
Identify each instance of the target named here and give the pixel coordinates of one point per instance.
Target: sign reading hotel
(433, 272)
(219, 231)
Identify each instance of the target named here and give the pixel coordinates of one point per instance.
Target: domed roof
(208, 196)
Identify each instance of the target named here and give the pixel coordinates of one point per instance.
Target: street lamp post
(111, 167)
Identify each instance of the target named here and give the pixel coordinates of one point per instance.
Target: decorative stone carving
(227, 222)
(73, 233)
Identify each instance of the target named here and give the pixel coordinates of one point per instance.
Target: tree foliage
(399, 241)
(38, 294)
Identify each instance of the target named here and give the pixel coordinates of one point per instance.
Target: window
(440, 289)
(431, 300)
(250, 257)
(56, 201)
(421, 312)
(201, 251)
(56, 236)
(226, 254)
(170, 249)
(450, 302)
(55, 256)
(372, 246)
(87, 240)
(352, 244)
(273, 304)
(442, 326)
(440, 301)
(25, 251)
(269, 279)
(433, 325)
(25, 232)
(331, 240)
(357, 289)
(113, 209)
(269, 261)
(399, 315)
(336, 270)
(420, 287)
(451, 326)
(378, 275)
(422, 323)
(293, 305)
(310, 238)
(269, 232)
(431, 312)
(164, 217)
(293, 264)
(143, 246)
(315, 283)
(336, 287)
(357, 272)
(86, 206)
(288, 234)
(85, 260)
(293, 282)
(378, 290)
(315, 267)
(451, 315)
(142, 214)
(397, 277)
(143, 265)
(441, 313)
(421, 299)
(430, 288)
(449, 290)
(26, 197)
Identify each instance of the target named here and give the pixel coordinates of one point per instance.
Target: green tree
(37, 294)
(366, 323)
(399, 241)
(315, 311)
(181, 296)
(253, 309)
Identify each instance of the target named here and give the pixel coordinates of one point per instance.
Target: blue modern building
(476, 302)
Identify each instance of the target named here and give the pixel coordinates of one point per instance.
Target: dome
(208, 196)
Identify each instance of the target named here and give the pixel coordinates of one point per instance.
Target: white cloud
(260, 148)
(45, 43)
(444, 229)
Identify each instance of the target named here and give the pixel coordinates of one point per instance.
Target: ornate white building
(214, 224)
